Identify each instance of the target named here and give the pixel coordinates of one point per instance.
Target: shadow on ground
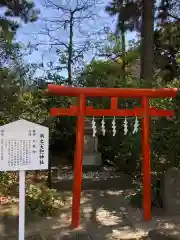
(102, 217)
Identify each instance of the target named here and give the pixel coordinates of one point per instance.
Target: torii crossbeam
(81, 110)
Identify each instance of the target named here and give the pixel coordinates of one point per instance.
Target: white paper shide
(23, 146)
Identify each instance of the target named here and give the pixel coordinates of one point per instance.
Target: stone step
(119, 183)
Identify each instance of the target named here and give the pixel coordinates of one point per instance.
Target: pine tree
(138, 15)
(8, 26)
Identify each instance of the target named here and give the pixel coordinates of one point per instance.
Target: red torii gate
(82, 110)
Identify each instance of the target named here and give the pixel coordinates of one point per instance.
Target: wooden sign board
(23, 146)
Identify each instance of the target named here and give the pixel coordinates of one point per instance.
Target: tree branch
(56, 6)
(172, 16)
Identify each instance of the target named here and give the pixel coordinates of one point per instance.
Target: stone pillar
(91, 158)
(171, 191)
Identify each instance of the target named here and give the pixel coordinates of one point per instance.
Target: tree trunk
(147, 41)
(70, 50)
(123, 42)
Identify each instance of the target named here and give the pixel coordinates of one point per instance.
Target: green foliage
(42, 201)
(9, 95)
(102, 74)
(167, 41)
(128, 13)
(164, 134)
(112, 49)
(133, 15)
(35, 106)
(7, 183)
(10, 10)
(18, 99)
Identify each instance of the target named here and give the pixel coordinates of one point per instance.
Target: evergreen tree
(10, 9)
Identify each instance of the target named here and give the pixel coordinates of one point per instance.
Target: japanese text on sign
(23, 146)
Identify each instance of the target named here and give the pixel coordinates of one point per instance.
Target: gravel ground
(66, 173)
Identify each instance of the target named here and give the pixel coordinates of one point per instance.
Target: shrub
(42, 201)
(8, 183)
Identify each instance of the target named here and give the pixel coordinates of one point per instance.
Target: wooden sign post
(23, 147)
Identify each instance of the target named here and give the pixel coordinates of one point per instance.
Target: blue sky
(30, 32)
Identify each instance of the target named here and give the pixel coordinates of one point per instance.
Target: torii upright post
(80, 111)
(78, 163)
(146, 160)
